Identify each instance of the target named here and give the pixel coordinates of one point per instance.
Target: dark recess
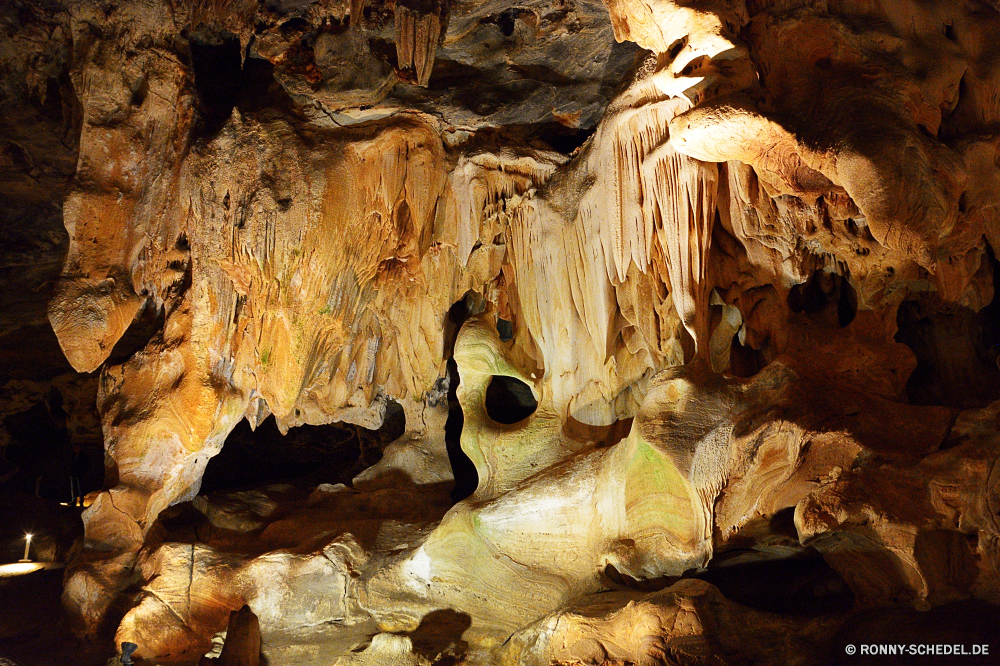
(822, 289)
(505, 329)
(564, 139)
(44, 456)
(32, 352)
(744, 360)
(466, 476)
(509, 400)
(217, 76)
(223, 84)
(507, 19)
(552, 136)
(804, 585)
(957, 348)
(439, 637)
(847, 304)
(147, 324)
(306, 456)
(989, 317)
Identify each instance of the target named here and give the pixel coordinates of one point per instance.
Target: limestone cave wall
(593, 326)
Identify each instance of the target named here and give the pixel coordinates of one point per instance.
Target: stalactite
(417, 32)
(671, 308)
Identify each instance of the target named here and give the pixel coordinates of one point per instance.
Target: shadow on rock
(439, 637)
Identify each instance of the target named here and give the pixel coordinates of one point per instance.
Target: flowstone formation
(710, 285)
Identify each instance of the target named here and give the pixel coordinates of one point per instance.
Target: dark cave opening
(555, 136)
(438, 638)
(988, 349)
(752, 571)
(307, 456)
(505, 329)
(43, 458)
(957, 349)
(823, 289)
(847, 303)
(509, 400)
(466, 476)
(216, 60)
(800, 585)
(565, 140)
(744, 360)
(225, 80)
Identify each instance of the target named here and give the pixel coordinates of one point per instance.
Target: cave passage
(307, 455)
(44, 459)
(225, 80)
(957, 349)
(464, 471)
(821, 289)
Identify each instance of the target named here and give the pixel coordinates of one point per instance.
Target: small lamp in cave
(27, 545)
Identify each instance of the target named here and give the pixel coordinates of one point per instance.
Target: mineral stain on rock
(538, 332)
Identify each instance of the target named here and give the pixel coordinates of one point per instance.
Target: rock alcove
(546, 332)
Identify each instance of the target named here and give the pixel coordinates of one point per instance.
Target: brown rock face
(707, 288)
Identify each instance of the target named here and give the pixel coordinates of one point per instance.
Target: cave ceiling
(605, 300)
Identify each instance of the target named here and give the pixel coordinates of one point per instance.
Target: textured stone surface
(702, 284)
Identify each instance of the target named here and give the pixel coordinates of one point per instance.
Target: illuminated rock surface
(656, 332)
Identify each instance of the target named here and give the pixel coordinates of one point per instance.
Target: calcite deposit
(654, 296)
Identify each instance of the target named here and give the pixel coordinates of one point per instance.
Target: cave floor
(34, 629)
